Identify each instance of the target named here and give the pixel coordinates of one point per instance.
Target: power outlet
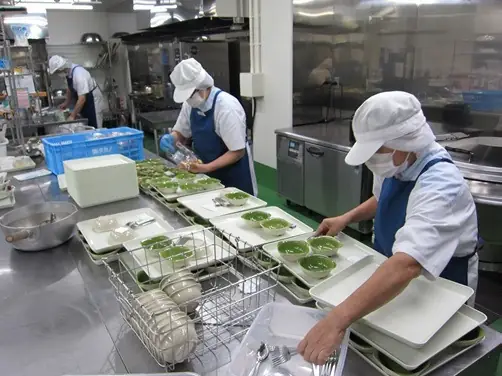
(252, 85)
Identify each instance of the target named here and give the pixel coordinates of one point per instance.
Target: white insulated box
(99, 180)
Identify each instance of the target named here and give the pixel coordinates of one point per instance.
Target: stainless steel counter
(59, 314)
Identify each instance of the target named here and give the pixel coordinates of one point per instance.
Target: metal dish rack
(234, 289)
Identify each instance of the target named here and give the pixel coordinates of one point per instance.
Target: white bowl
(177, 275)
(187, 298)
(166, 282)
(174, 287)
(104, 224)
(177, 344)
(275, 231)
(145, 297)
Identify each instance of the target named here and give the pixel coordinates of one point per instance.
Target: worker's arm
(227, 159)
(388, 281)
(67, 100)
(178, 137)
(363, 212)
(78, 106)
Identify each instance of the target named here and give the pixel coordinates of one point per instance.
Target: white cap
(56, 62)
(188, 76)
(386, 117)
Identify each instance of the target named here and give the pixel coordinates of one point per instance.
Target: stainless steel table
(59, 314)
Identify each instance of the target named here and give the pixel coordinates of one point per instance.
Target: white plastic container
(273, 326)
(99, 180)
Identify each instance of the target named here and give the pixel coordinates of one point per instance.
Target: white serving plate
(99, 241)
(179, 193)
(202, 204)
(462, 322)
(156, 267)
(235, 226)
(350, 253)
(7, 164)
(413, 317)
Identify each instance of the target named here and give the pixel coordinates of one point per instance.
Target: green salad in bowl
(254, 218)
(178, 255)
(325, 245)
(184, 177)
(167, 187)
(317, 266)
(191, 187)
(237, 198)
(275, 226)
(156, 239)
(209, 183)
(293, 250)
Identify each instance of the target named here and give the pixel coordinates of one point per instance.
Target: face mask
(383, 165)
(195, 101)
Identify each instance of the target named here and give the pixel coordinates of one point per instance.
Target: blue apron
(391, 215)
(89, 110)
(209, 146)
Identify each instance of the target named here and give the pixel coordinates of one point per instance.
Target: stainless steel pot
(39, 226)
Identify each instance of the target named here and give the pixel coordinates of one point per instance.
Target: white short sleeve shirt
(83, 82)
(441, 220)
(229, 118)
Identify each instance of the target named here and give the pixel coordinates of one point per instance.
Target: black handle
(315, 152)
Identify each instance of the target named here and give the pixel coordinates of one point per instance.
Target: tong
(218, 201)
(139, 223)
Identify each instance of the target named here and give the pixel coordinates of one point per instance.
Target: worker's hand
(71, 117)
(332, 226)
(63, 106)
(168, 143)
(323, 339)
(199, 168)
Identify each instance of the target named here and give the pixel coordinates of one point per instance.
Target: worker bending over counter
(83, 91)
(425, 216)
(216, 122)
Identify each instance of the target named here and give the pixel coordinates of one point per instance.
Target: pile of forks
(279, 355)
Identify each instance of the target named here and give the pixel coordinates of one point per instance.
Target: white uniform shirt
(83, 83)
(441, 220)
(229, 123)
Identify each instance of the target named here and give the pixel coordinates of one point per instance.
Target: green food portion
(293, 247)
(167, 184)
(317, 263)
(256, 216)
(275, 223)
(156, 239)
(177, 253)
(237, 196)
(185, 176)
(209, 181)
(325, 243)
(191, 187)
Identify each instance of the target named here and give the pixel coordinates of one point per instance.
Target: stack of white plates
(166, 330)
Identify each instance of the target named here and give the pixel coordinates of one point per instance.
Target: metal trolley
(233, 291)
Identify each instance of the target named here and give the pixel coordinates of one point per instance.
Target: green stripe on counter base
(266, 176)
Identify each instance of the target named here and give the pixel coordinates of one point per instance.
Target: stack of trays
(420, 330)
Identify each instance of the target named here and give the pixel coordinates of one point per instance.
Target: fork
(281, 355)
(329, 368)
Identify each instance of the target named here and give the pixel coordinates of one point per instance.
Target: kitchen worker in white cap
(425, 217)
(82, 91)
(216, 122)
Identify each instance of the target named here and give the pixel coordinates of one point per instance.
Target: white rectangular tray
(155, 267)
(351, 252)
(462, 322)
(202, 204)
(99, 241)
(179, 193)
(413, 317)
(234, 225)
(7, 163)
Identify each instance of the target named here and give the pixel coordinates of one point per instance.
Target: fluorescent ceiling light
(163, 8)
(31, 20)
(315, 15)
(41, 7)
(142, 7)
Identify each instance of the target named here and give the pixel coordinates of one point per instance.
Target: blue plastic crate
(484, 100)
(83, 145)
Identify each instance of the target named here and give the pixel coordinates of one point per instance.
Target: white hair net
(415, 141)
